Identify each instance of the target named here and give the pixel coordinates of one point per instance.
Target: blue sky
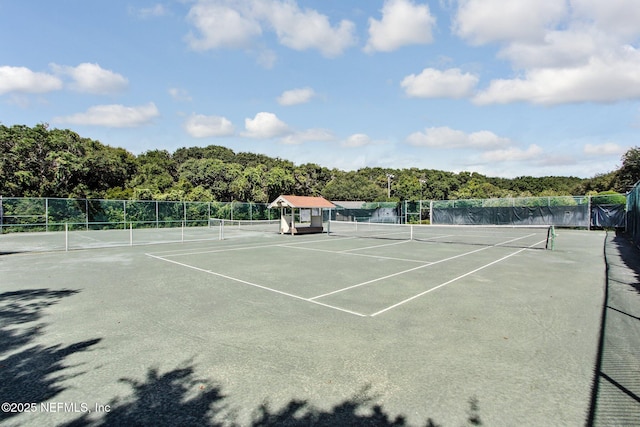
(526, 87)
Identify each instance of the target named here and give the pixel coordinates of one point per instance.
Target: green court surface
(265, 329)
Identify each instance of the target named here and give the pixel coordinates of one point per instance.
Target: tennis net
(519, 236)
(226, 226)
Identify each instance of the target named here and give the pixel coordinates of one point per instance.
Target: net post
(551, 238)
(411, 231)
(66, 237)
(131, 234)
(182, 232)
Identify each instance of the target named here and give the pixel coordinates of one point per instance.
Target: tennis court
(269, 329)
(363, 276)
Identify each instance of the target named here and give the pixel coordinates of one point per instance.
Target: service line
(452, 280)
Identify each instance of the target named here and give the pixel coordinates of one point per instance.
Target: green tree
(476, 188)
(40, 161)
(183, 154)
(156, 172)
(629, 172)
(310, 179)
(212, 174)
(353, 186)
(257, 190)
(279, 181)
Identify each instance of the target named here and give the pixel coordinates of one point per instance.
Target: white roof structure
(296, 202)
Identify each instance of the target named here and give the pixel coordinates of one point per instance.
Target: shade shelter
(309, 213)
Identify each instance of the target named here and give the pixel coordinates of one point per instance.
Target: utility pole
(389, 177)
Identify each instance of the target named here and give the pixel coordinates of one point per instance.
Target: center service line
(399, 273)
(453, 280)
(418, 267)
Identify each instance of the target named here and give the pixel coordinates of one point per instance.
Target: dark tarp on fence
(608, 216)
(633, 213)
(563, 216)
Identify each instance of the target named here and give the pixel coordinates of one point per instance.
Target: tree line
(43, 162)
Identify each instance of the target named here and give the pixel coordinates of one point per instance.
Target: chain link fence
(21, 214)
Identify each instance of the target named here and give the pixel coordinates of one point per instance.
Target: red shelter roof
(301, 202)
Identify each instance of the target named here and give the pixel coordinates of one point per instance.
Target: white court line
(452, 280)
(371, 247)
(360, 255)
(256, 285)
(419, 267)
(400, 272)
(240, 248)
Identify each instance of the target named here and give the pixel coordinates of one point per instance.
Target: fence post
(430, 212)
(46, 214)
(86, 212)
(589, 210)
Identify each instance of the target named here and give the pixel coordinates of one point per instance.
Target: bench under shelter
(309, 213)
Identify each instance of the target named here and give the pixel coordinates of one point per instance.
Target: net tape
(240, 225)
(519, 236)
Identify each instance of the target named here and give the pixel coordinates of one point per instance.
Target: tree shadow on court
(179, 398)
(615, 393)
(31, 372)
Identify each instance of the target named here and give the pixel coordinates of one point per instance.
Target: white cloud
(201, 126)
(563, 52)
(234, 24)
(600, 80)
(91, 78)
(432, 83)
(267, 58)
(222, 25)
(485, 21)
(265, 125)
(308, 135)
(564, 48)
(115, 115)
(357, 140)
(403, 23)
(180, 94)
(306, 29)
(606, 149)
(151, 12)
(445, 137)
(513, 154)
(23, 80)
(296, 96)
(617, 17)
